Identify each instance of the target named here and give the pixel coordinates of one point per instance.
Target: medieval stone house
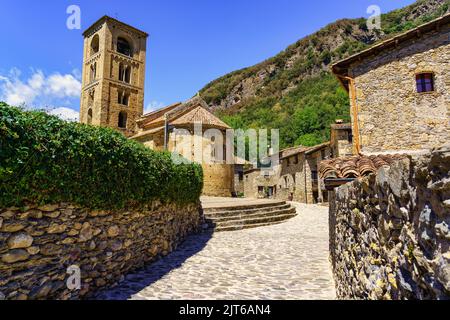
(294, 179)
(400, 91)
(112, 95)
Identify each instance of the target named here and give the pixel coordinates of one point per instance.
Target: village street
(285, 261)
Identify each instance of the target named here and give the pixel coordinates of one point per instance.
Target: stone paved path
(286, 261)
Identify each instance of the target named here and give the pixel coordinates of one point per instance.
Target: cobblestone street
(285, 261)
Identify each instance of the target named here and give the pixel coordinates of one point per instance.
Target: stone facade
(387, 110)
(341, 140)
(39, 244)
(260, 184)
(186, 126)
(294, 179)
(113, 81)
(239, 187)
(389, 233)
(218, 178)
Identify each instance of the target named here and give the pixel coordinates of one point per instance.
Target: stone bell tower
(113, 75)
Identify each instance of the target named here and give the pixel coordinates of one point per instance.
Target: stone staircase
(245, 216)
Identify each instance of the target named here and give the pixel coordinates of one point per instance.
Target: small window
(127, 75)
(89, 116)
(425, 82)
(314, 175)
(95, 44)
(295, 159)
(123, 47)
(123, 97)
(121, 73)
(93, 74)
(124, 73)
(122, 120)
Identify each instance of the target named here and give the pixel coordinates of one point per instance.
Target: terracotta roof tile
(355, 167)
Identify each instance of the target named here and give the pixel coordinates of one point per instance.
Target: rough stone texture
(389, 233)
(242, 265)
(36, 249)
(392, 115)
(100, 93)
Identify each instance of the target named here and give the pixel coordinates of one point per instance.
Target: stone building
(159, 130)
(341, 143)
(260, 184)
(113, 75)
(400, 91)
(299, 174)
(294, 179)
(114, 60)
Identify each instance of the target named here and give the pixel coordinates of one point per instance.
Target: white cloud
(63, 86)
(65, 114)
(153, 106)
(38, 90)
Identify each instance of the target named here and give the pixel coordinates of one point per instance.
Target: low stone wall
(389, 233)
(39, 244)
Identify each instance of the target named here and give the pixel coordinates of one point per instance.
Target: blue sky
(191, 42)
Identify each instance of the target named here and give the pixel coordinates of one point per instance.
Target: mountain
(295, 91)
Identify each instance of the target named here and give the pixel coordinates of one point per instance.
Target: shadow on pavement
(140, 279)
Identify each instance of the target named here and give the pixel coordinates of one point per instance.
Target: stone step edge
(244, 207)
(255, 220)
(249, 226)
(250, 211)
(250, 216)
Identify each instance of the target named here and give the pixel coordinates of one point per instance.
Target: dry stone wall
(39, 244)
(389, 233)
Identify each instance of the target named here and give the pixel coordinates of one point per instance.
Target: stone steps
(231, 218)
(253, 225)
(246, 212)
(243, 207)
(254, 215)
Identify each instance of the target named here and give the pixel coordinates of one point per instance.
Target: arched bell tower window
(93, 75)
(124, 47)
(95, 44)
(122, 120)
(123, 97)
(128, 75)
(89, 116)
(124, 73)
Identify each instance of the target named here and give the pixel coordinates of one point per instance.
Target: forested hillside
(295, 91)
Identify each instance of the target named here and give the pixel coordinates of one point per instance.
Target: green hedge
(45, 160)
